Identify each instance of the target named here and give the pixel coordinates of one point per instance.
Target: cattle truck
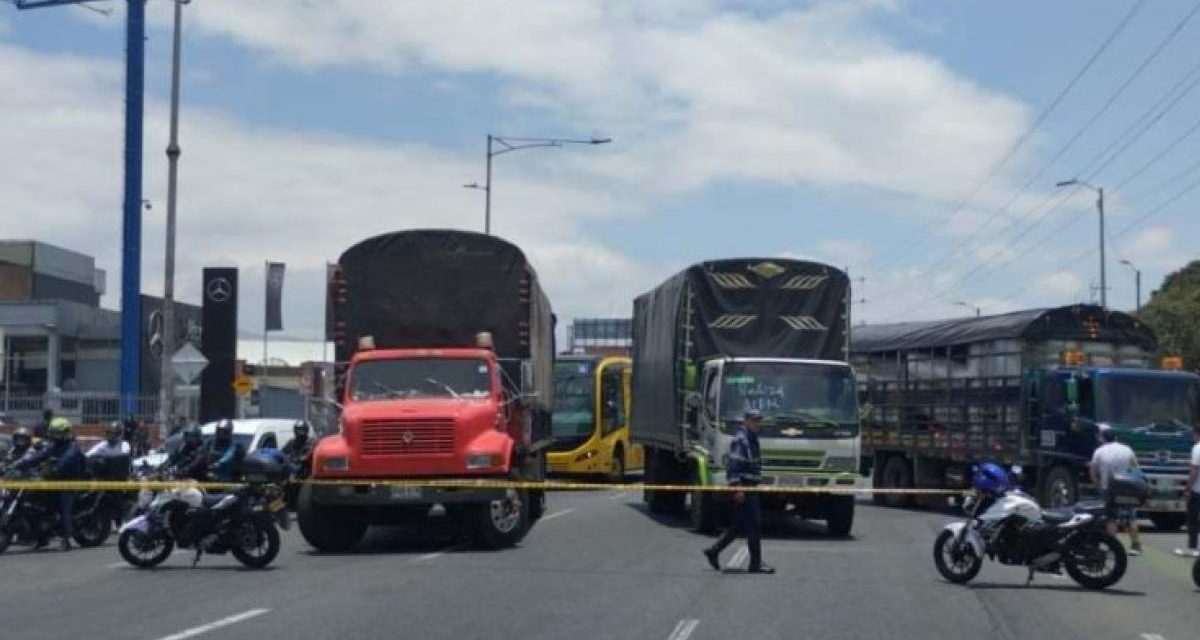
(726, 336)
(1030, 388)
(445, 351)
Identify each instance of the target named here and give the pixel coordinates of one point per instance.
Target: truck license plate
(407, 493)
(791, 481)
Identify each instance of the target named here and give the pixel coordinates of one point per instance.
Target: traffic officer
(743, 468)
(225, 455)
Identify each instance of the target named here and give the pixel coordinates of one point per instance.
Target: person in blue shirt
(743, 468)
(224, 455)
(61, 460)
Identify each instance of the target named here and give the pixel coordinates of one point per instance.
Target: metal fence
(89, 408)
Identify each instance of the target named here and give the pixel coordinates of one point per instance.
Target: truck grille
(791, 463)
(407, 437)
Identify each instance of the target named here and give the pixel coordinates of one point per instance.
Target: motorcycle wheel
(256, 542)
(1196, 574)
(1088, 561)
(92, 530)
(957, 567)
(5, 540)
(142, 550)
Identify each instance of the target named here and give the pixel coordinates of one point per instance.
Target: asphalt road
(598, 566)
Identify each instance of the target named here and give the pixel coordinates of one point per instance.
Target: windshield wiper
(388, 391)
(809, 418)
(438, 383)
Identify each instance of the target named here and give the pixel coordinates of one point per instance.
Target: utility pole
(131, 234)
(1100, 207)
(166, 393)
(515, 144)
(1137, 284)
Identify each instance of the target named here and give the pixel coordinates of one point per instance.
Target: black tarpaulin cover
(439, 288)
(1074, 322)
(746, 307)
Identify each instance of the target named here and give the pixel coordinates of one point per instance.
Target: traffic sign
(243, 385)
(188, 362)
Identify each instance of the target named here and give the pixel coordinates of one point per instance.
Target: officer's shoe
(714, 559)
(762, 568)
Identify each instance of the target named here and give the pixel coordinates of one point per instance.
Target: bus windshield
(574, 400)
(1141, 400)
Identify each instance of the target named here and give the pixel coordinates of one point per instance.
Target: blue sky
(841, 131)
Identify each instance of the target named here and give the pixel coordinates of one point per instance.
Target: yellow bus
(591, 418)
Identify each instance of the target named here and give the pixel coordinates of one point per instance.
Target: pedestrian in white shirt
(1191, 493)
(1109, 459)
(113, 445)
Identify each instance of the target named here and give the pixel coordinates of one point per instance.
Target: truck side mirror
(692, 413)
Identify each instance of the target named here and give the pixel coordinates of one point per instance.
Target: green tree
(1174, 313)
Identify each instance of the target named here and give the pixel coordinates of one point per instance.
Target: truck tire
(502, 523)
(328, 529)
(616, 472)
(840, 518)
(1059, 487)
(896, 474)
(1168, 521)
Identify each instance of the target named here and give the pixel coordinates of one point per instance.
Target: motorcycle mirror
(1016, 469)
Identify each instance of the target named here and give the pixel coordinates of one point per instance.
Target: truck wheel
(896, 475)
(328, 529)
(1059, 488)
(616, 472)
(501, 523)
(1168, 521)
(840, 518)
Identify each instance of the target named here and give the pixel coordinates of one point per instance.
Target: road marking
(1152, 636)
(116, 565)
(684, 629)
(556, 514)
(740, 556)
(440, 552)
(216, 624)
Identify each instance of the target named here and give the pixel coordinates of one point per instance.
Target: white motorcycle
(1014, 530)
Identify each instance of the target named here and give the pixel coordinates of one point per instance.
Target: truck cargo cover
(746, 307)
(1074, 322)
(439, 288)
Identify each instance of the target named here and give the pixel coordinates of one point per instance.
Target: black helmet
(114, 432)
(224, 431)
(192, 434)
(300, 429)
(22, 438)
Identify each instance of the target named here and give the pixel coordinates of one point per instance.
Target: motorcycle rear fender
(973, 538)
(140, 523)
(1077, 521)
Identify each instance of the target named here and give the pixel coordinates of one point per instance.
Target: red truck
(445, 349)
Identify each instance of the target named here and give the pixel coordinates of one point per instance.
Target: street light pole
(1099, 207)
(515, 144)
(166, 392)
(964, 303)
(1137, 284)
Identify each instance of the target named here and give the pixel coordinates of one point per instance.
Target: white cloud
(1060, 284)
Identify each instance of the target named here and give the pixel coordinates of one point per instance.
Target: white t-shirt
(1196, 463)
(1112, 458)
(106, 450)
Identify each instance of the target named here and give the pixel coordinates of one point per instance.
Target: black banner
(274, 317)
(219, 344)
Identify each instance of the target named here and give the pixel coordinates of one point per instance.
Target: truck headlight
(337, 463)
(482, 461)
(837, 463)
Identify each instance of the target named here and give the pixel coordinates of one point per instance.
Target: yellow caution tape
(550, 485)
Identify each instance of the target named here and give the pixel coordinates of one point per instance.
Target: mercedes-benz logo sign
(219, 290)
(408, 437)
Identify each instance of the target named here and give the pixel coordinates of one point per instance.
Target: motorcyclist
(113, 445)
(22, 442)
(299, 448)
(190, 460)
(224, 455)
(62, 461)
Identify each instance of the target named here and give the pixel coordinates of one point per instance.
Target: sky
(916, 143)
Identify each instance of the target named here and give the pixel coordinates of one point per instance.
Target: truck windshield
(785, 392)
(1135, 401)
(574, 400)
(407, 378)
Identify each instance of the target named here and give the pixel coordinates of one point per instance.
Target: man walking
(1191, 493)
(1109, 459)
(744, 469)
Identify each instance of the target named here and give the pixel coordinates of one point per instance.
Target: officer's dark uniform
(744, 469)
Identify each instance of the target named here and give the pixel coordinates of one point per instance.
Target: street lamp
(1100, 208)
(516, 144)
(166, 386)
(964, 303)
(1137, 283)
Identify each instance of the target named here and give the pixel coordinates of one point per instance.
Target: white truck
(725, 336)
